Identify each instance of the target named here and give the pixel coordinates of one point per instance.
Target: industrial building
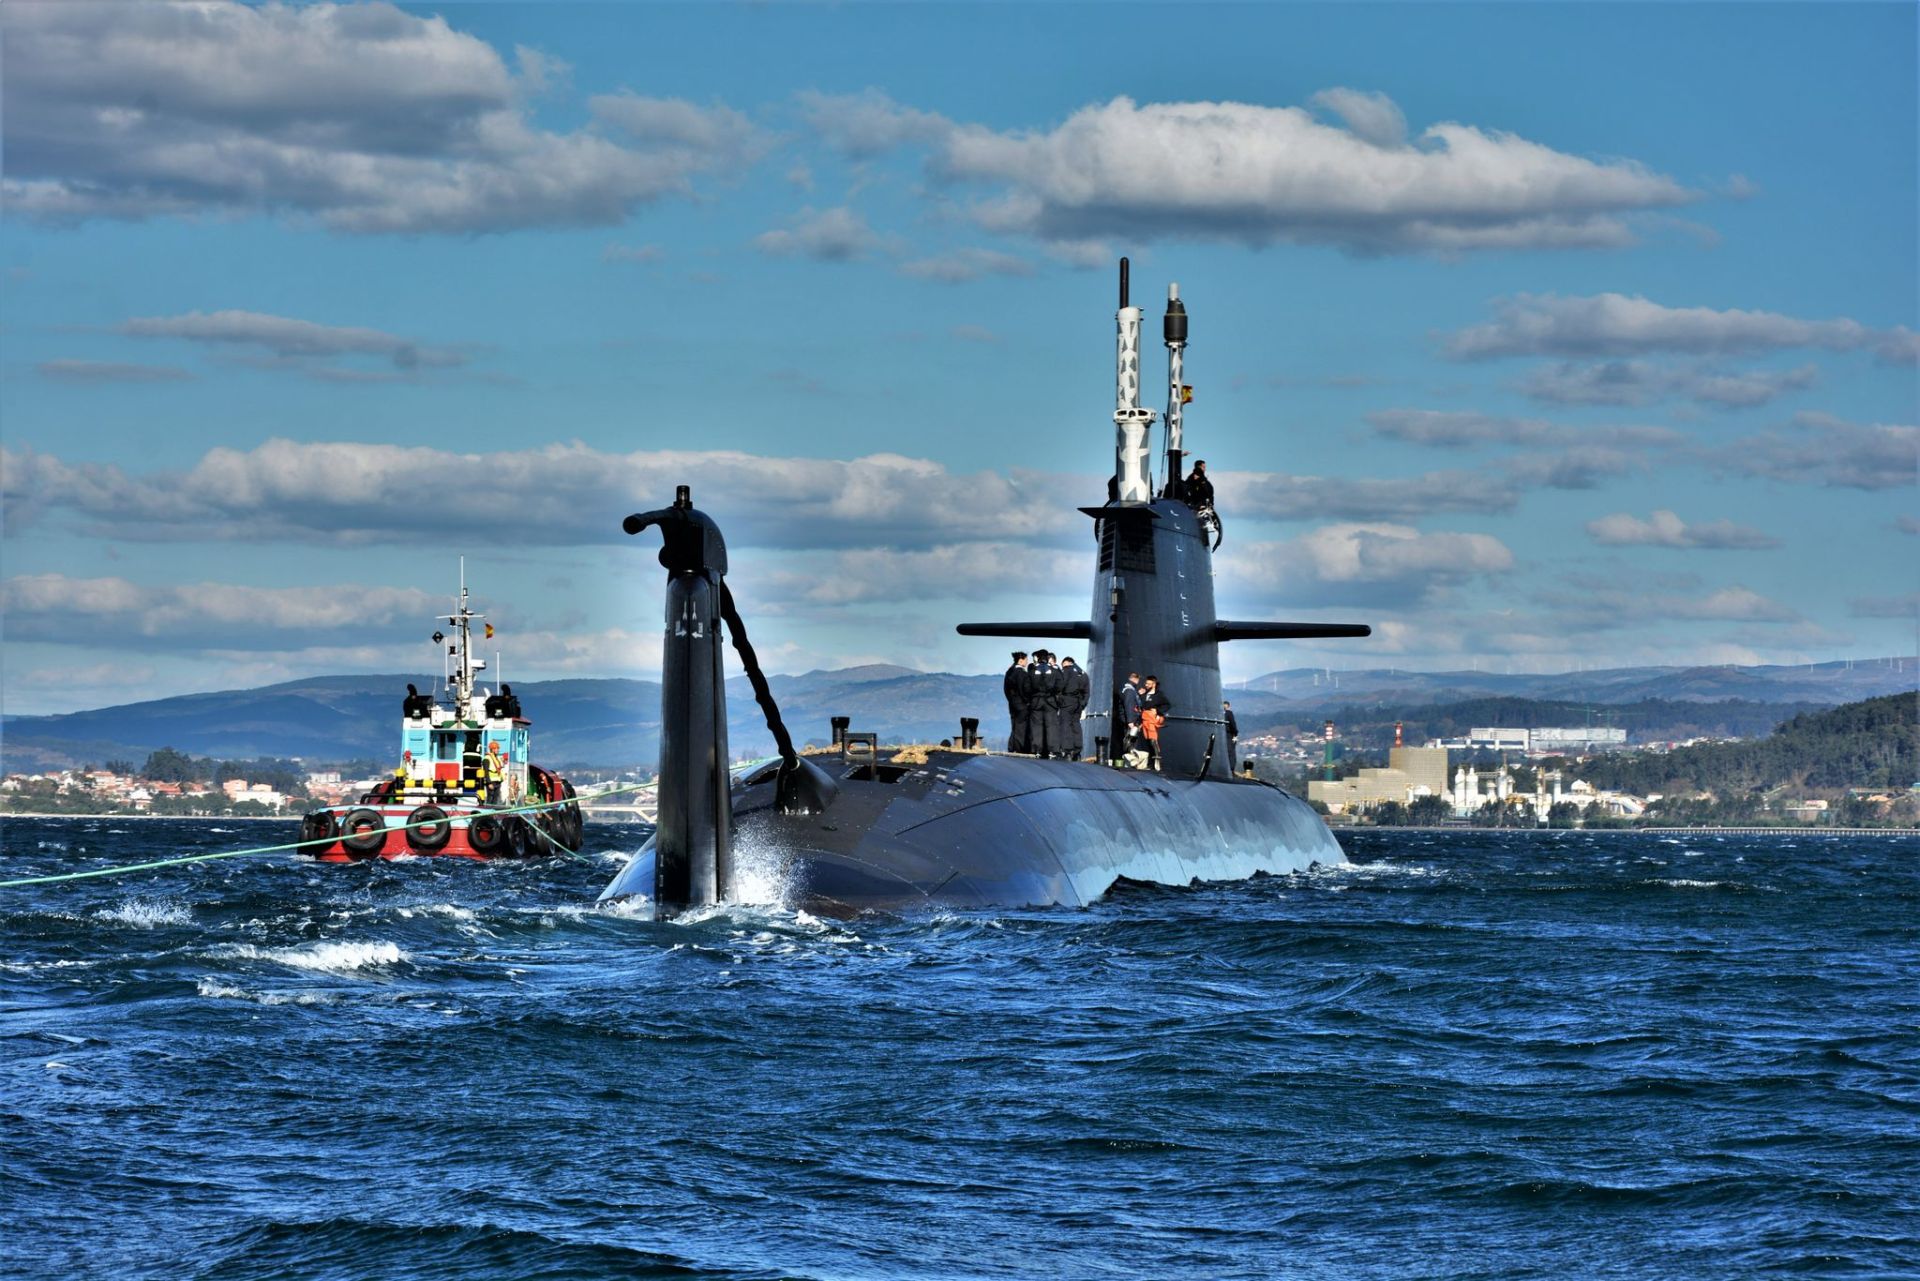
(1540, 741)
(1410, 772)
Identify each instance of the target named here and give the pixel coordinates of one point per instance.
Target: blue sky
(1538, 336)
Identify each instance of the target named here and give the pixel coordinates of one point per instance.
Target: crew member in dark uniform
(1233, 737)
(1042, 727)
(1073, 701)
(1198, 491)
(1129, 718)
(1017, 685)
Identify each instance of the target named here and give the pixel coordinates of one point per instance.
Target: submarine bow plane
(971, 829)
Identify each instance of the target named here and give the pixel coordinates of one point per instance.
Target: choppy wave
(1509, 1055)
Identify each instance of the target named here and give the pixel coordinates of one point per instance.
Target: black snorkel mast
(693, 841)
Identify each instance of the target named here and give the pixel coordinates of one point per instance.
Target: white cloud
(1820, 449)
(957, 571)
(563, 494)
(1371, 116)
(55, 607)
(1360, 563)
(715, 136)
(961, 265)
(1599, 608)
(364, 117)
(1448, 429)
(1260, 175)
(1637, 382)
(868, 124)
(828, 235)
(1455, 429)
(284, 336)
(1616, 325)
(1665, 529)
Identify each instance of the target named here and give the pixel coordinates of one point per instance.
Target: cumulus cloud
(1603, 607)
(561, 495)
(1492, 489)
(959, 571)
(1371, 116)
(1665, 529)
(1355, 563)
(1616, 325)
(869, 124)
(1260, 175)
(55, 607)
(294, 339)
(1579, 467)
(104, 371)
(1819, 449)
(1638, 382)
(364, 117)
(828, 235)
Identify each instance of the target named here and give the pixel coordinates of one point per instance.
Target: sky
(1539, 337)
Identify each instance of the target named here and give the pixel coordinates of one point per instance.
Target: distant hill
(1873, 743)
(609, 722)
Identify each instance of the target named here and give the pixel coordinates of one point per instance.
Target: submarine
(936, 828)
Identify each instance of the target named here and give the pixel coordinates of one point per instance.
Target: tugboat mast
(462, 676)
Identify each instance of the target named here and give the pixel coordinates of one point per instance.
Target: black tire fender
(486, 834)
(363, 832)
(318, 830)
(428, 829)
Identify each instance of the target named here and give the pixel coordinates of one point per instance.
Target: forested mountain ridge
(1870, 744)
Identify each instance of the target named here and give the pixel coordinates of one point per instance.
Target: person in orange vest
(494, 771)
(1154, 707)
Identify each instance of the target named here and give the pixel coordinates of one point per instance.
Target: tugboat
(465, 787)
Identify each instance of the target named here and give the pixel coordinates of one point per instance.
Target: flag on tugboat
(489, 631)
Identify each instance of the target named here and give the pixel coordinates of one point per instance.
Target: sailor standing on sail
(1154, 707)
(1017, 685)
(1130, 721)
(1073, 701)
(1042, 730)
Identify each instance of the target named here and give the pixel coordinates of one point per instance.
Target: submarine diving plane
(956, 828)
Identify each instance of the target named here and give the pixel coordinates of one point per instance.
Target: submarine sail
(954, 828)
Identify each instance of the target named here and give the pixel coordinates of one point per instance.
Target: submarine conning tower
(1153, 607)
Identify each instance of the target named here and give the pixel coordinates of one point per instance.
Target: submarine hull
(965, 830)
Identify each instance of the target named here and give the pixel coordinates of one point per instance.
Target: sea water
(1465, 1054)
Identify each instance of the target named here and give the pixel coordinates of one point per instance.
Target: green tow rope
(294, 845)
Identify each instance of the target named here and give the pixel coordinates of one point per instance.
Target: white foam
(147, 913)
(331, 958)
(228, 992)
